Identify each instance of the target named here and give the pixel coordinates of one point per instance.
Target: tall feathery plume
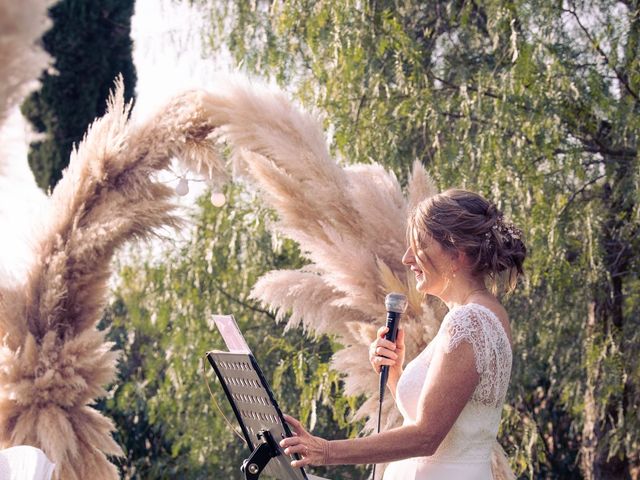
(54, 362)
(350, 223)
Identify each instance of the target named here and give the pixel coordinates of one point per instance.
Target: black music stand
(258, 414)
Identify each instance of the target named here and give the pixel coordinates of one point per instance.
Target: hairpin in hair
(514, 232)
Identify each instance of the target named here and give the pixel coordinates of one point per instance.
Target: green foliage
(161, 319)
(534, 104)
(91, 44)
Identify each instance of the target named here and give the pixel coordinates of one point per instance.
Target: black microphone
(396, 304)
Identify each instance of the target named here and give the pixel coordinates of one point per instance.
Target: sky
(168, 57)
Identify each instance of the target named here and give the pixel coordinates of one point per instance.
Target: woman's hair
(465, 222)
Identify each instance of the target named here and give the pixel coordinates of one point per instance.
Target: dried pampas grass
(54, 363)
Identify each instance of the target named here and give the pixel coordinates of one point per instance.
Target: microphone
(396, 304)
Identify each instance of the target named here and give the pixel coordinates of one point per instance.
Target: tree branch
(621, 76)
(452, 85)
(588, 146)
(242, 303)
(578, 192)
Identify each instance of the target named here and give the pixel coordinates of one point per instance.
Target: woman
(451, 395)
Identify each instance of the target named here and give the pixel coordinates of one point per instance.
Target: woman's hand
(384, 352)
(313, 450)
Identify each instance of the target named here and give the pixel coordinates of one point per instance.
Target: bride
(451, 395)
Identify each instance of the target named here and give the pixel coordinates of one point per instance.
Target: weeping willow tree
(534, 104)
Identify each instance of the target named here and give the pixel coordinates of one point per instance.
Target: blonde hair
(465, 222)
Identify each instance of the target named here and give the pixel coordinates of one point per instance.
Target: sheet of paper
(231, 334)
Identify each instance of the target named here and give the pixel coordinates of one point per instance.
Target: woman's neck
(462, 290)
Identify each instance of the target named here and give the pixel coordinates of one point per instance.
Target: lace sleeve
(479, 327)
(464, 325)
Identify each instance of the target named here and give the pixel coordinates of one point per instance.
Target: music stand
(258, 414)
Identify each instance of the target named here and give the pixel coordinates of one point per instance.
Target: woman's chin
(422, 286)
(427, 288)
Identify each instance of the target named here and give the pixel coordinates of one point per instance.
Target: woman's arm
(450, 382)
(392, 384)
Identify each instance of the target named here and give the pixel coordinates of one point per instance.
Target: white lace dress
(465, 453)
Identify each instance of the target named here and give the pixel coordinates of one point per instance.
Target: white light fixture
(183, 187)
(218, 199)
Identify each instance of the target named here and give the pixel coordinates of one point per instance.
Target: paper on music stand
(231, 334)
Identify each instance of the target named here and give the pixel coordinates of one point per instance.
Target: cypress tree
(91, 43)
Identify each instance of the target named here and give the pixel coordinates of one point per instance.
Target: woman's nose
(408, 258)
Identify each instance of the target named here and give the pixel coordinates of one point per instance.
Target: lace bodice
(472, 436)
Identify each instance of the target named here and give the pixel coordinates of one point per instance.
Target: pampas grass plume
(54, 363)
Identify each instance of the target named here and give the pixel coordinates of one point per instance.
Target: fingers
(386, 344)
(295, 445)
(385, 352)
(289, 419)
(380, 340)
(383, 342)
(400, 339)
(380, 361)
(382, 351)
(303, 462)
(290, 442)
(297, 426)
(292, 448)
(312, 450)
(300, 449)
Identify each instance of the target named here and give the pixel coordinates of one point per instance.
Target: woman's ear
(462, 259)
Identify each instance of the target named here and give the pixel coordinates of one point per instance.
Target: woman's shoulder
(478, 314)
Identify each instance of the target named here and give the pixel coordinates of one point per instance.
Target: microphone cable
(373, 474)
(215, 402)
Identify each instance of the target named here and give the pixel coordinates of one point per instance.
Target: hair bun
(493, 212)
(464, 221)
